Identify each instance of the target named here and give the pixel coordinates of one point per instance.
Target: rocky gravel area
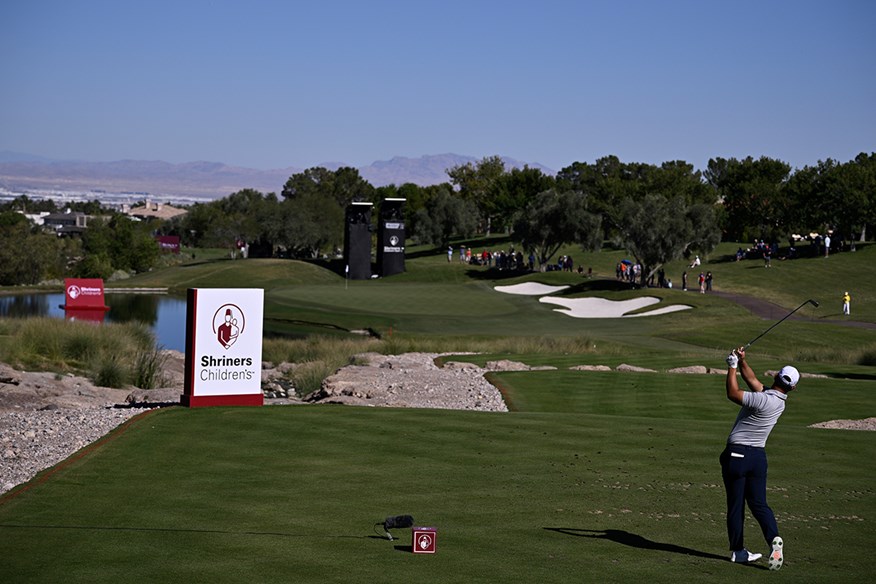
(31, 441)
(412, 380)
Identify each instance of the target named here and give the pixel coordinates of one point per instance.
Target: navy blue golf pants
(744, 469)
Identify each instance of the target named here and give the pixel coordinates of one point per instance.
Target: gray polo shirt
(760, 412)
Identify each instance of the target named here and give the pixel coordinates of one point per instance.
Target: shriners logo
(228, 324)
(393, 240)
(73, 291)
(424, 541)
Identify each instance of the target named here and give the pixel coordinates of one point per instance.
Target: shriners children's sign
(224, 347)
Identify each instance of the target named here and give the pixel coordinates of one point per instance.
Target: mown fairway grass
(595, 477)
(290, 494)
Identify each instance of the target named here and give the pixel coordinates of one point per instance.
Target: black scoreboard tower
(391, 238)
(357, 241)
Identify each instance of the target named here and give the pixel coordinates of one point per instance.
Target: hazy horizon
(271, 85)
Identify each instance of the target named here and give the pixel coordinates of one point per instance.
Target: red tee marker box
(424, 540)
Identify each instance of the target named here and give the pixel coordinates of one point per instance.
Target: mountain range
(23, 172)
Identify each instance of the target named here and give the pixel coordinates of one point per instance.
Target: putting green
(410, 299)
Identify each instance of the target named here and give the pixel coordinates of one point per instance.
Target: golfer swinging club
(744, 461)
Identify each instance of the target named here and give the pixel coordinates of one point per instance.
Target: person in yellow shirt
(846, 300)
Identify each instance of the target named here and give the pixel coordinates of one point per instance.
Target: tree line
(112, 242)
(658, 213)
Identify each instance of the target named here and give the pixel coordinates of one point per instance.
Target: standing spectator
(449, 253)
(846, 302)
(826, 245)
(766, 258)
(468, 255)
(702, 281)
(708, 281)
(461, 254)
(684, 281)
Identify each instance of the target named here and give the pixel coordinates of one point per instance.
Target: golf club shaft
(813, 302)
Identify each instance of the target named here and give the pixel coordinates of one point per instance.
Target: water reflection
(166, 315)
(25, 305)
(138, 307)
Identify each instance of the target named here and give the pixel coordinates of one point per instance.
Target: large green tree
(443, 216)
(751, 192)
(27, 256)
(657, 229)
(116, 243)
(312, 213)
(476, 182)
(554, 219)
(513, 191)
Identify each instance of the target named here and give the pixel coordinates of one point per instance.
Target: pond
(165, 315)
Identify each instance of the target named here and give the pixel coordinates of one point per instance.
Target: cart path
(771, 311)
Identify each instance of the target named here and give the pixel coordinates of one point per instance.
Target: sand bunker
(602, 308)
(530, 289)
(590, 307)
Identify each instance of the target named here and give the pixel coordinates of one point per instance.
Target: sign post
(223, 347)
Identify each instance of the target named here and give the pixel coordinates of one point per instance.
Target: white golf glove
(733, 360)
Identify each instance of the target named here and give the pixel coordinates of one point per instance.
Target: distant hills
(22, 172)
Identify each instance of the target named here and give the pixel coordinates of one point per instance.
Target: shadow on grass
(636, 541)
(482, 273)
(598, 285)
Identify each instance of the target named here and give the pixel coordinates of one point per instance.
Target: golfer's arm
(734, 394)
(749, 376)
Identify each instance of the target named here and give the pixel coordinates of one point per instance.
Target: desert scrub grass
(317, 357)
(110, 372)
(316, 348)
(148, 368)
(500, 345)
(39, 342)
(308, 377)
(109, 353)
(864, 355)
(868, 358)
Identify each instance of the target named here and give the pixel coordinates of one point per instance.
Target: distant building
(151, 210)
(36, 218)
(67, 223)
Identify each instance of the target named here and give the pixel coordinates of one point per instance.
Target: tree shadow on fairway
(637, 541)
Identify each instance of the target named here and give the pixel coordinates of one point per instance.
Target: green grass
(598, 492)
(594, 477)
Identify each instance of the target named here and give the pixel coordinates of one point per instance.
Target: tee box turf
(424, 540)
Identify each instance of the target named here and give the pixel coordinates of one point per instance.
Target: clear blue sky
(274, 84)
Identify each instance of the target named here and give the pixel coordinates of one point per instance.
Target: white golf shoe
(777, 556)
(744, 556)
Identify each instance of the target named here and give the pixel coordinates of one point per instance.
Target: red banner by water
(83, 299)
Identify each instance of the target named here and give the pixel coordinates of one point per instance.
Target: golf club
(810, 301)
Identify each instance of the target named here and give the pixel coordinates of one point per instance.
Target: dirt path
(770, 311)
